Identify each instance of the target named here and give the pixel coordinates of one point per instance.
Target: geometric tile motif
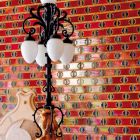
(99, 91)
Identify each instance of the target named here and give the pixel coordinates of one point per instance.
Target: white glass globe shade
(40, 58)
(68, 53)
(29, 50)
(48, 1)
(55, 48)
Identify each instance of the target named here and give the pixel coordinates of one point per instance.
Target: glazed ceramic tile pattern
(100, 90)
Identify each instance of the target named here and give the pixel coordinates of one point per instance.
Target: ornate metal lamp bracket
(50, 21)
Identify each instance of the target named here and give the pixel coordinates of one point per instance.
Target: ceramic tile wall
(100, 90)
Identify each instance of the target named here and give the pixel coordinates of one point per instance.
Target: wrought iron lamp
(50, 48)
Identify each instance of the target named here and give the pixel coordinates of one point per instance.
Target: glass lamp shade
(40, 58)
(48, 1)
(55, 48)
(29, 50)
(68, 53)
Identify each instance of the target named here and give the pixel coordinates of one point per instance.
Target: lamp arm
(59, 134)
(67, 20)
(39, 21)
(39, 18)
(32, 30)
(56, 21)
(38, 135)
(65, 31)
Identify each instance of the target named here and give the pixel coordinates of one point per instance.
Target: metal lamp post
(50, 48)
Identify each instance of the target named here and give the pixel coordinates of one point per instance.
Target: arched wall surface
(99, 91)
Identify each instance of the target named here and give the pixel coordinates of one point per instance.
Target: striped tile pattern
(100, 90)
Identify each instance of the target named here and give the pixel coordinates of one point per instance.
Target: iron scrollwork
(50, 21)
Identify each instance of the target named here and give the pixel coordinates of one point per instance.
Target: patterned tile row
(85, 46)
(80, 11)
(65, 3)
(100, 137)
